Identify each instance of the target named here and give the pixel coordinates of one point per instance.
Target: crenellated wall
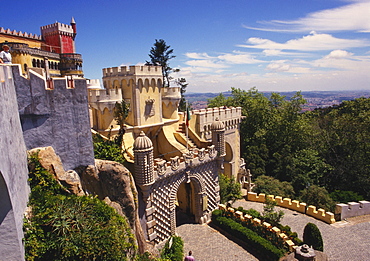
(352, 209)
(20, 34)
(295, 205)
(257, 222)
(55, 115)
(203, 119)
(132, 70)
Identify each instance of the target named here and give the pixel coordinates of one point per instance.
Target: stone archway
(185, 203)
(197, 192)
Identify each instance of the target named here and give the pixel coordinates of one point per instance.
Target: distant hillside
(315, 99)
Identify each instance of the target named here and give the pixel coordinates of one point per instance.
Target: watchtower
(59, 38)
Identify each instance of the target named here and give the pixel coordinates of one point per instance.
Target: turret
(73, 24)
(144, 164)
(218, 137)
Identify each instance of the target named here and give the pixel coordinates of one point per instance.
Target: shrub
(107, 149)
(229, 189)
(312, 237)
(68, 227)
(173, 249)
(269, 214)
(271, 186)
(265, 249)
(319, 197)
(252, 212)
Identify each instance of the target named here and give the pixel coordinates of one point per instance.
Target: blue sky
(274, 45)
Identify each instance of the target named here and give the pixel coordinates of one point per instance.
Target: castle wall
(13, 171)
(56, 117)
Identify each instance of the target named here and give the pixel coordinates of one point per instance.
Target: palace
(53, 52)
(175, 160)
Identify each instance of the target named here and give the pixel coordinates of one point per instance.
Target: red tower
(59, 38)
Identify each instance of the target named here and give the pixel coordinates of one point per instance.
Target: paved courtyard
(343, 241)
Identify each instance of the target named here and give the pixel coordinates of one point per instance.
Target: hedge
(263, 247)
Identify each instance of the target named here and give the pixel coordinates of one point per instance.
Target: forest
(320, 157)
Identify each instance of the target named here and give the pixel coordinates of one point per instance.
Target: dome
(217, 125)
(142, 142)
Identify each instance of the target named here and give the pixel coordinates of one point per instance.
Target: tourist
(189, 257)
(5, 56)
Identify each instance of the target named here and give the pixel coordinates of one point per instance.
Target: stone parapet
(203, 119)
(132, 70)
(352, 209)
(267, 227)
(294, 205)
(196, 157)
(327, 217)
(105, 95)
(14, 32)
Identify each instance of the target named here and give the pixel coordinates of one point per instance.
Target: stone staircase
(181, 131)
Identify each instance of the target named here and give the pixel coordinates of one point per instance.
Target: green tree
(343, 140)
(312, 237)
(107, 149)
(161, 54)
(308, 168)
(273, 130)
(269, 214)
(229, 189)
(183, 84)
(121, 110)
(317, 196)
(173, 249)
(271, 186)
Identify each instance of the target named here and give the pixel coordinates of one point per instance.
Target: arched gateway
(164, 184)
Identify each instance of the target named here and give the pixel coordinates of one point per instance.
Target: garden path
(343, 241)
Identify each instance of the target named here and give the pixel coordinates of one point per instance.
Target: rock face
(51, 162)
(109, 179)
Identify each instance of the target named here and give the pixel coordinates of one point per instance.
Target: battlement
(266, 227)
(20, 34)
(105, 95)
(163, 168)
(132, 70)
(230, 116)
(52, 28)
(352, 209)
(295, 205)
(171, 93)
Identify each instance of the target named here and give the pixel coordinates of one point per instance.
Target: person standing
(189, 257)
(5, 56)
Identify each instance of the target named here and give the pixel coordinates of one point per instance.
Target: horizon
(273, 45)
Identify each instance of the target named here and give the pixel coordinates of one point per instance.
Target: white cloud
(205, 63)
(338, 54)
(238, 58)
(198, 56)
(311, 42)
(350, 17)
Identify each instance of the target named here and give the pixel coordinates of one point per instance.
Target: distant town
(315, 99)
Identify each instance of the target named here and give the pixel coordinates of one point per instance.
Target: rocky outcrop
(52, 163)
(112, 182)
(108, 180)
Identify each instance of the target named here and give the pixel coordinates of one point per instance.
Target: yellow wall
(32, 43)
